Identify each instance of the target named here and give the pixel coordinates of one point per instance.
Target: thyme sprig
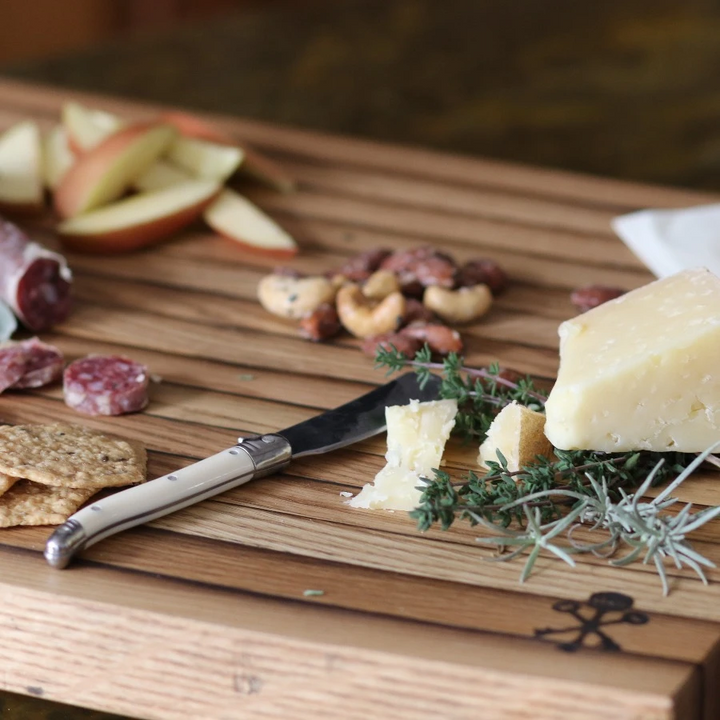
(498, 495)
(480, 392)
(640, 529)
(540, 507)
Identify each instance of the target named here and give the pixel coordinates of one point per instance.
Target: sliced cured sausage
(106, 385)
(43, 365)
(13, 360)
(34, 281)
(29, 364)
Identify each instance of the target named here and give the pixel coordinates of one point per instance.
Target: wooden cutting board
(203, 613)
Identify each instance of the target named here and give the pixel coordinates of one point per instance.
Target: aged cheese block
(642, 372)
(416, 437)
(518, 433)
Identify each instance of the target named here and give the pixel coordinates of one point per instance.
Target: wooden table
(203, 613)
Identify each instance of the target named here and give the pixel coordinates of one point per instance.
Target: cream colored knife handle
(249, 459)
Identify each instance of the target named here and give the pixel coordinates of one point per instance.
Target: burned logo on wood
(600, 611)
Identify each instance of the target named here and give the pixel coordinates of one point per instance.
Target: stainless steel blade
(356, 420)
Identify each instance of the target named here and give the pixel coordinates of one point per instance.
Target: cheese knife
(250, 458)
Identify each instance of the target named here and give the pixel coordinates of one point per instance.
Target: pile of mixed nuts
(404, 298)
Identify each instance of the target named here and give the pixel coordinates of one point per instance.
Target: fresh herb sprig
(539, 507)
(499, 495)
(480, 392)
(642, 530)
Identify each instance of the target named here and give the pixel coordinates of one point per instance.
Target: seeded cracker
(70, 456)
(6, 482)
(27, 503)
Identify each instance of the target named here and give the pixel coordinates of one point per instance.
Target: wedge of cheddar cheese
(416, 437)
(642, 372)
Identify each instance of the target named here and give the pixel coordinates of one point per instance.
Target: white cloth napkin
(669, 241)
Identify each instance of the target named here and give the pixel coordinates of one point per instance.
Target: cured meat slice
(43, 365)
(13, 360)
(34, 281)
(106, 385)
(29, 364)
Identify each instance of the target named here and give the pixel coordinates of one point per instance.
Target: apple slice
(87, 127)
(205, 159)
(236, 218)
(195, 127)
(139, 220)
(161, 175)
(255, 164)
(102, 174)
(21, 186)
(57, 156)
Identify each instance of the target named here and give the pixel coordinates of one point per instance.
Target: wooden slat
(273, 658)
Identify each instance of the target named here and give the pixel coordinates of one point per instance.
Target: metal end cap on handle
(64, 543)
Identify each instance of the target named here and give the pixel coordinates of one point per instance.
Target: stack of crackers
(47, 472)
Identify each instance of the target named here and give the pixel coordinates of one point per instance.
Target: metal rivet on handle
(172, 477)
(234, 452)
(267, 438)
(96, 508)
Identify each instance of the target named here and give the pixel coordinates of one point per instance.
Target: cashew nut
(458, 306)
(291, 297)
(362, 318)
(380, 284)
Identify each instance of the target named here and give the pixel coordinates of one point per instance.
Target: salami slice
(13, 360)
(29, 364)
(43, 365)
(34, 281)
(106, 385)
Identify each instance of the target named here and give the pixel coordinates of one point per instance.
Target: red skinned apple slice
(21, 185)
(161, 175)
(87, 127)
(254, 164)
(195, 127)
(205, 159)
(139, 220)
(57, 156)
(104, 173)
(236, 218)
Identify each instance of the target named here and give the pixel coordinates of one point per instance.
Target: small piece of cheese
(517, 431)
(416, 437)
(642, 372)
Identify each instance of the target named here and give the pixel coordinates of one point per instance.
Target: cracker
(70, 456)
(6, 482)
(27, 503)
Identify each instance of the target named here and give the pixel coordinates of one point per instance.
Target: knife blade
(250, 458)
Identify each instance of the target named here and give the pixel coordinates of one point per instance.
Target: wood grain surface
(202, 614)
